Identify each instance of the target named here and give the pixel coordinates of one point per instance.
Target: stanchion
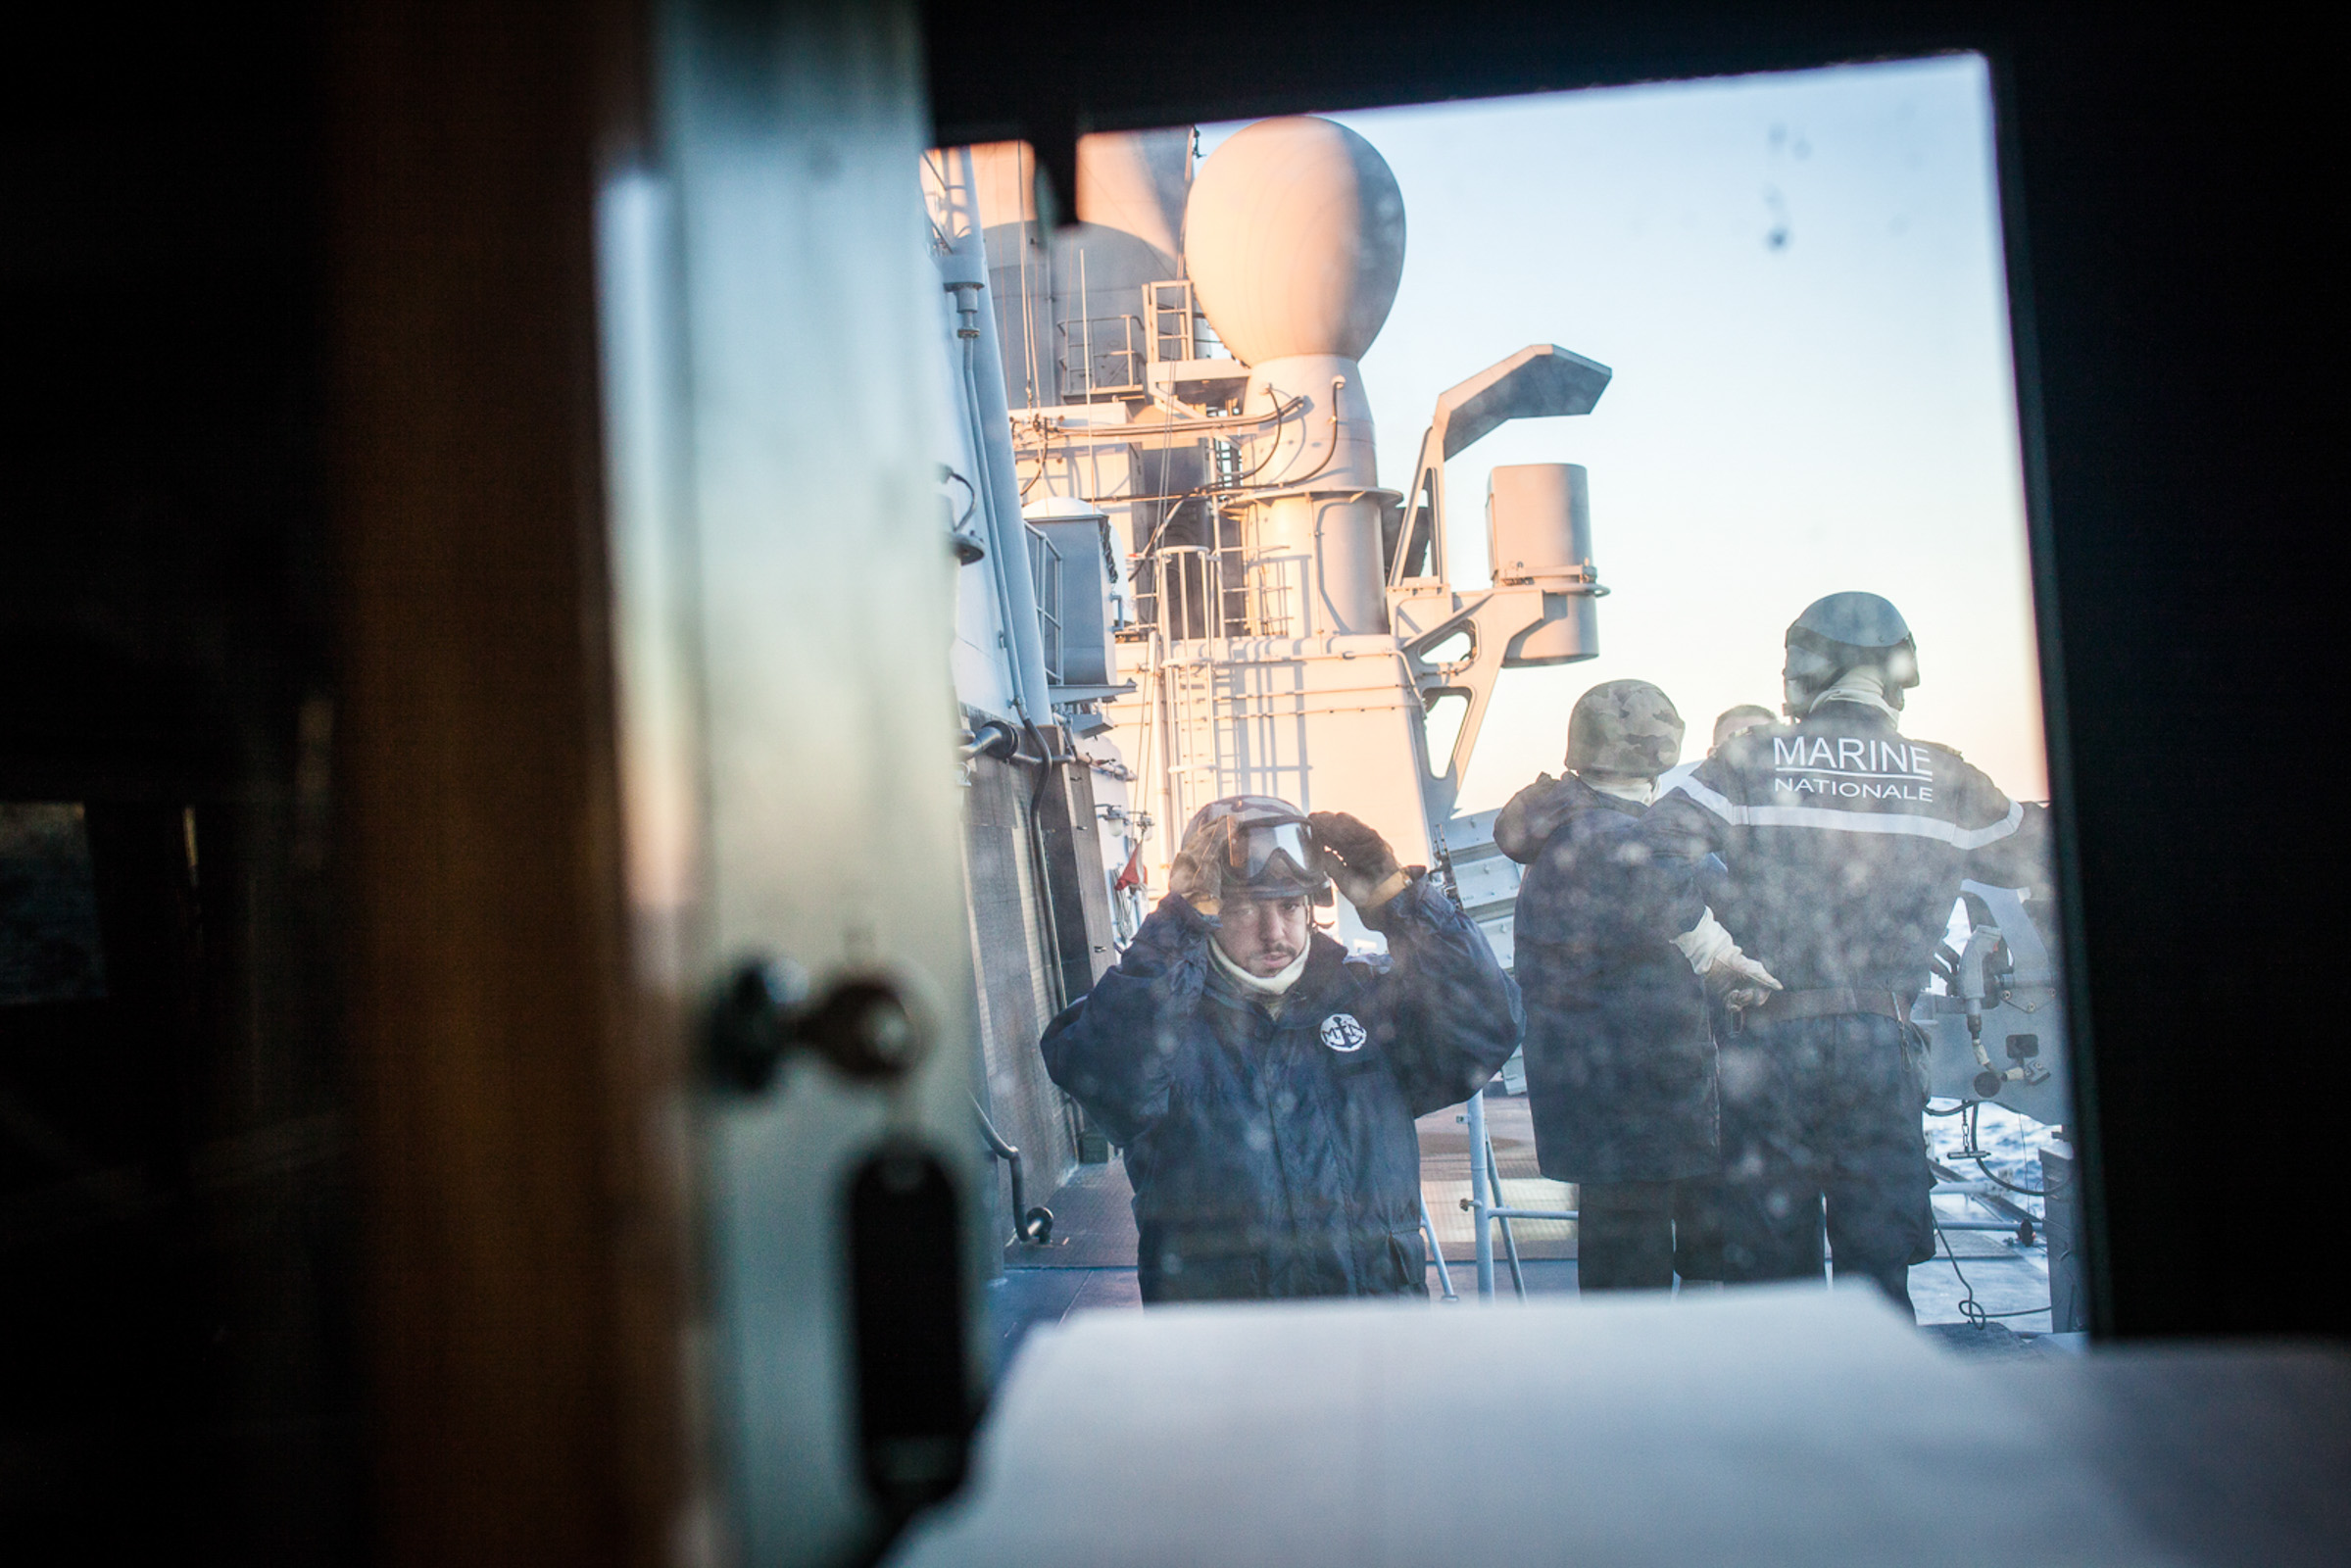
(1428, 1228)
(1487, 1208)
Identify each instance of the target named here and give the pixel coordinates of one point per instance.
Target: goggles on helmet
(1262, 851)
(1272, 850)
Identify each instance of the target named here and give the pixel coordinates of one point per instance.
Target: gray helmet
(1624, 729)
(1272, 854)
(1839, 634)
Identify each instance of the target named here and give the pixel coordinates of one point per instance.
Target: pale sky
(1796, 279)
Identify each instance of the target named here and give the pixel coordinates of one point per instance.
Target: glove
(1355, 858)
(1739, 982)
(1197, 873)
(1730, 976)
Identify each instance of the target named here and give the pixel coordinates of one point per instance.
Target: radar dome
(1294, 238)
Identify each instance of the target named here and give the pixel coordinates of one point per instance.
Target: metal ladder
(1167, 305)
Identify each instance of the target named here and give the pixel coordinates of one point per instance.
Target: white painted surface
(1755, 1427)
(1295, 236)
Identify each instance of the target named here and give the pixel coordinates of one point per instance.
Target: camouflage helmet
(1624, 729)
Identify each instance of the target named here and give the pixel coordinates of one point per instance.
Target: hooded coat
(1619, 1053)
(1275, 1155)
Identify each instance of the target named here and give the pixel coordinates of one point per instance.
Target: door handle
(861, 1026)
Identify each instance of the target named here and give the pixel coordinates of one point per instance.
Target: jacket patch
(1341, 1031)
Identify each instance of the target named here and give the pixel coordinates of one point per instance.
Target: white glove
(1705, 942)
(1739, 982)
(1730, 976)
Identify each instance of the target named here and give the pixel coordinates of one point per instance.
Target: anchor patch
(1341, 1031)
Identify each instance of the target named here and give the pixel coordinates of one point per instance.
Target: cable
(1152, 545)
(1983, 1165)
(1327, 457)
(969, 489)
(1975, 1151)
(1968, 1307)
(1209, 428)
(1280, 417)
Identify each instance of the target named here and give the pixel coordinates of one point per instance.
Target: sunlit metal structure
(1182, 367)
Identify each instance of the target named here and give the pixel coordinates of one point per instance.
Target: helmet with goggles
(1271, 853)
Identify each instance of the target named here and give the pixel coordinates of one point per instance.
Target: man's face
(1263, 936)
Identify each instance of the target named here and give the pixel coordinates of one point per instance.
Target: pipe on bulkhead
(964, 270)
(1314, 556)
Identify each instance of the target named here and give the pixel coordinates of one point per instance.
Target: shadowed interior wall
(523, 1256)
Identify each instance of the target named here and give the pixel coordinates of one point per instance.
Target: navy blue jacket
(1620, 1057)
(1277, 1157)
(1845, 843)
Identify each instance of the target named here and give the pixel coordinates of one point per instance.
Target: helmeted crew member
(1844, 843)
(1737, 721)
(1698, 1202)
(1262, 1082)
(1727, 723)
(1620, 1060)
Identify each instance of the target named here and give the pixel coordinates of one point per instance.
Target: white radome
(1294, 239)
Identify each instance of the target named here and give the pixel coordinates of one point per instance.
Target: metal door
(783, 597)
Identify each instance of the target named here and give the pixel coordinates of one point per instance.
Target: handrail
(1028, 1225)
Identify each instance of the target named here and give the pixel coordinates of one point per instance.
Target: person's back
(1845, 843)
(1620, 1060)
(1620, 1064)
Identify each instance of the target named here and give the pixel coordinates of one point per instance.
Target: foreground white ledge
(1763, 1426)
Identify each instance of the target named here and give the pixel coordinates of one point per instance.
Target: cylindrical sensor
(1539, 533)
(1538, 522)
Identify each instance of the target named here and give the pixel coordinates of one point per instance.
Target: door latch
(764, 1010)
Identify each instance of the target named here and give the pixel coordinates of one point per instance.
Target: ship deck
(1088, 1266)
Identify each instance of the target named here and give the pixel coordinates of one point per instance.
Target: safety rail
(1483, 1187)
(1191, 593)
(1104, 356)
(1033, 1226)
(1045, 576)
(1174, 320)
(1188, 592)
